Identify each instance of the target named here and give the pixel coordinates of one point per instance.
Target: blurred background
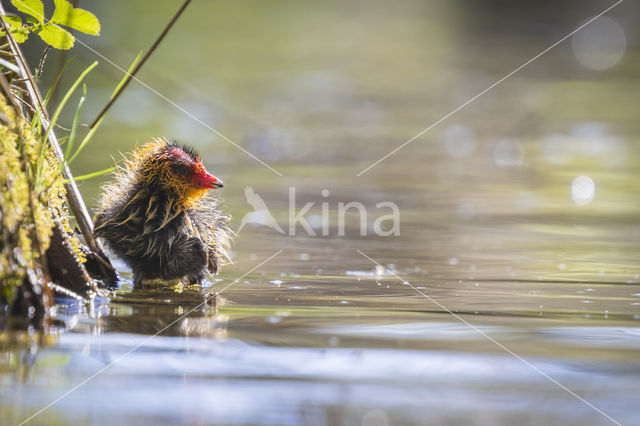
(520, 213)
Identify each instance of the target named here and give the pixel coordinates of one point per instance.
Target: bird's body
(155, 216)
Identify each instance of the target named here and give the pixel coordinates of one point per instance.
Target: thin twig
(17, 88)
(43, 59)
(26, 104)
(141, 63)
(7, 89)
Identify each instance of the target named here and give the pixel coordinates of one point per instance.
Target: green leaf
(56, 36)
(34, 8)
(20, 36)
(78, 19)
(14, 22)
(15, 26)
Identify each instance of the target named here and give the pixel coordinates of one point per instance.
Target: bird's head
(176, 169)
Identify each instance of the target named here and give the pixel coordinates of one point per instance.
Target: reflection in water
(582, 190)
(214, 327)
(18, 351)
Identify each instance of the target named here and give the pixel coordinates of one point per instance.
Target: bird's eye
(181, 169)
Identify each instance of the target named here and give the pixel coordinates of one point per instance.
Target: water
(512, 291)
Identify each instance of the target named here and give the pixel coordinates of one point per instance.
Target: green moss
(32, 200)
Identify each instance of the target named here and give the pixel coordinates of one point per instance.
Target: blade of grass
(53, 87)
(40, 163)
(66, 97)
(95, 174)
(86, 140)
(74, 127)
(96, 126)
(124, 80)
(131, 75)
(36, 123)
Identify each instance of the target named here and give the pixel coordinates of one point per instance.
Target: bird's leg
(213, 265)
(196, 279)
(137, 280)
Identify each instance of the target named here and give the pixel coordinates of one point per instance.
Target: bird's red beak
(206, 179)
(214, 181)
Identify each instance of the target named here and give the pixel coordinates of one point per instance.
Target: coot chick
(155, 215)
